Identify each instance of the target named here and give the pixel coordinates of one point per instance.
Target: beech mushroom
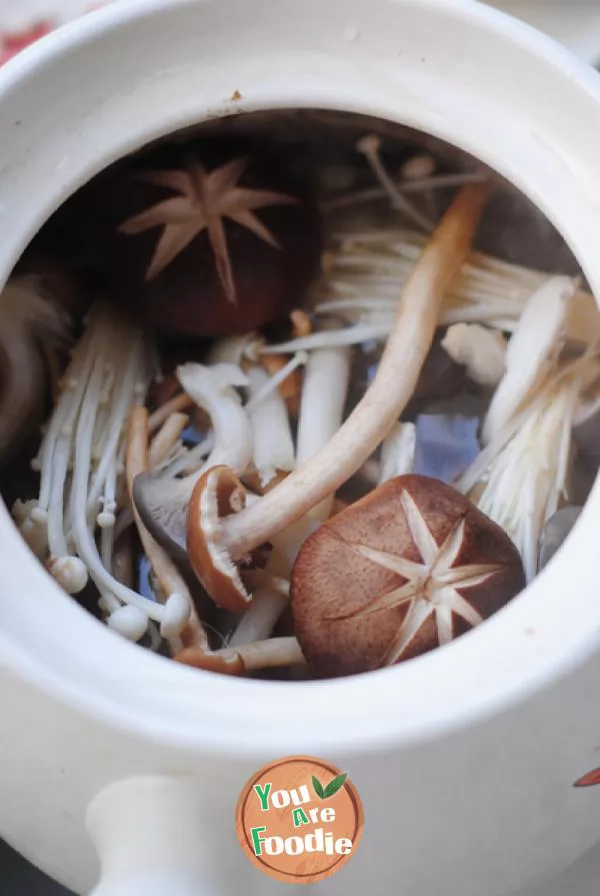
(524, 468)
(271, 654)
(398, 452)
(214, 543)
(406, 569)
(161, 500)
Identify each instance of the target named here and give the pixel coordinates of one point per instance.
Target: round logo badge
(299, 819)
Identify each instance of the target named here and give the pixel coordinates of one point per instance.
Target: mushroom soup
(316, 393)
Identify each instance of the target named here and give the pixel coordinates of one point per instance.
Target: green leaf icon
(318, 788)
(334, 786)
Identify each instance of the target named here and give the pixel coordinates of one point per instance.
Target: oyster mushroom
(398, 452)
(406, 569)
(161, 500)
(215, 543)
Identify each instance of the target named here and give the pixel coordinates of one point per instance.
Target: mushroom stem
(175, 405)
(529, 353)
(167, 574)
(161, 501)
(280, 374)
(398, 452)
(26, 320)
(271, 432)
(420, 185)
(369, 147)
(268, 603)
(366, 268)
(271, 654)
(166, 438)
(374, 416)
(289, 377)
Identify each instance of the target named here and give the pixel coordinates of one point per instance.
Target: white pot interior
(439, 67)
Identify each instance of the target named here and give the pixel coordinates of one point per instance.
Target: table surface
(20, 879)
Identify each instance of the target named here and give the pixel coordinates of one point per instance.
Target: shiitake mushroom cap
(332, 580)
(187, 297)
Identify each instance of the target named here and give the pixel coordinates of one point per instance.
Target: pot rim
(542, 635)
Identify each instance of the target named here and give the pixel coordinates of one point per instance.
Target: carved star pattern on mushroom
(432, 587)
(412, 565)
(204, 200)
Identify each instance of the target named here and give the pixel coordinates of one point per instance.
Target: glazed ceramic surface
(465, 758)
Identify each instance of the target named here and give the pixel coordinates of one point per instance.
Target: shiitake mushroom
(203, 238)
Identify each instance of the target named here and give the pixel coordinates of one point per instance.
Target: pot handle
(152, 840)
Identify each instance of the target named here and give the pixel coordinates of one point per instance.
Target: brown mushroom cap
(217, 493)
(333, 581)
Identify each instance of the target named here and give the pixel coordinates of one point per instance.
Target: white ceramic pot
(576, 23)
(465, 758)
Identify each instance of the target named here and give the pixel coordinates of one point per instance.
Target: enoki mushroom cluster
(293, 431)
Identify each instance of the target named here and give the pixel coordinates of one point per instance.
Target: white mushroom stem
(369, 147)
(324, 394)
(525, 468)
(108, 374)
(33, 526)
(273, 446)
(269, 600)
(362, 332)
(161, 500)
(365, 269)
(270, 654)
(405, 187)
(186, 460)
(235, 349)
(211, 388)
(531, 351)
(374, 416)
(82, 535)
(398, 452)
(178, 404)
(171, 582)
(480, 350)
(166, 438)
